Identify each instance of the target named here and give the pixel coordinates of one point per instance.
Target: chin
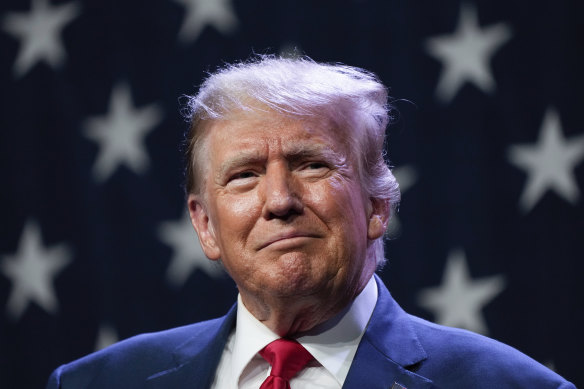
(298, 285)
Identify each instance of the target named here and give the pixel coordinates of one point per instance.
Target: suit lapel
(389, 350)
(196, 360)
(386, 356)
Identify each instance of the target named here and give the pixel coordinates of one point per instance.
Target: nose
(280, 190)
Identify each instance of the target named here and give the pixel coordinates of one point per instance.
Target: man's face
(283, 208)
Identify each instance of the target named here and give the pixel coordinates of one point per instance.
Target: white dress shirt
(333, 345)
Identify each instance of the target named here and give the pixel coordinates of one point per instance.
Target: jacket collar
(196, 360)
(390, 351)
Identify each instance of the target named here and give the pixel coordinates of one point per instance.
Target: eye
(314, 170)
(242, 175)
(316, 166)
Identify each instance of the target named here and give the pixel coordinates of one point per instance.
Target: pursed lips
(286, 236)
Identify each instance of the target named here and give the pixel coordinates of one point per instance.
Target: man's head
(287, 184)
(351, 100)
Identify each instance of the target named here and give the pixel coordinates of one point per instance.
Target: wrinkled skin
(283, 208)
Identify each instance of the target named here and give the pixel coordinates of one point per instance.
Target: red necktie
(287, 358)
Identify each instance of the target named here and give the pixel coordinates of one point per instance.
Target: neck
(293, 315)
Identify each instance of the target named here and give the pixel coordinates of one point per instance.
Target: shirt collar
(333, 343)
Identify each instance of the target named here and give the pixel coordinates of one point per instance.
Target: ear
(204, 228)
(378, 218)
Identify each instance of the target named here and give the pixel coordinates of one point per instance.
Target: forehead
(270, 132)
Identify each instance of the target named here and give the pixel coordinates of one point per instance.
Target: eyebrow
(313, 150)
(241, 159)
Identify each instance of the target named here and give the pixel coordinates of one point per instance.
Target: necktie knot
(287, 357)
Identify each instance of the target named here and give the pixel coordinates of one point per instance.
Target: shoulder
(133, 359)
(457, 357)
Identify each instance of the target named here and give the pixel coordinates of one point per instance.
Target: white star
(466, 54)
(218, 13)
(406, 176)
(187, 252)
(106, 336)
(549, 163)
(121, 132)
(39, 32)
(459, 300)
(32, 270)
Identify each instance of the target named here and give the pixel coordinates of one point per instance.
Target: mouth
(288, 240)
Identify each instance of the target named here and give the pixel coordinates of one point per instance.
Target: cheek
(327, 193)
(236, 215)
(339, 204)
(237, 207)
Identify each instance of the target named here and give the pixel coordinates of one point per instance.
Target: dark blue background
(466, 194)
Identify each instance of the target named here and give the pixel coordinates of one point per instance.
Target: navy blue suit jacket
(396, 348)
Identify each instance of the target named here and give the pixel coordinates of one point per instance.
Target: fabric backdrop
(488, 147)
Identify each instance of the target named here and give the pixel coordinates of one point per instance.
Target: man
(287, 186)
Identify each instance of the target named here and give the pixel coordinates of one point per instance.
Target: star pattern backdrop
(488, 146)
